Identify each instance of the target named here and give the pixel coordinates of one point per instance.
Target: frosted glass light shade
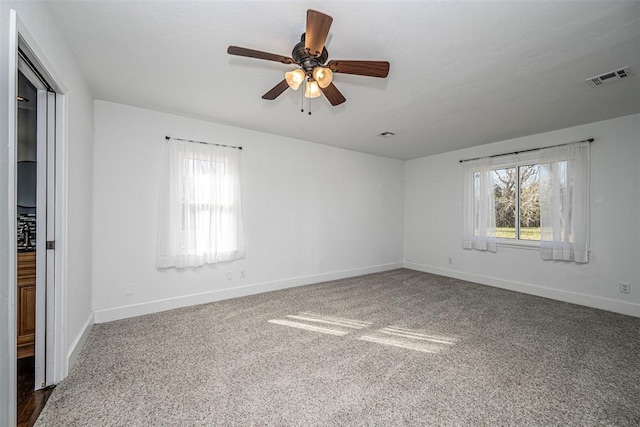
(312, 91)
(323, 76)
(294, 78)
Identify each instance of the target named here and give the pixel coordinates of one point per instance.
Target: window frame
(516, 161)
(225, 207)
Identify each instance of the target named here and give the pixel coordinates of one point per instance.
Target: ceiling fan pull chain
(309, 82)
(302, 101)
(306, 88)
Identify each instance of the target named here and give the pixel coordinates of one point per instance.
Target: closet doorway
(35, 208)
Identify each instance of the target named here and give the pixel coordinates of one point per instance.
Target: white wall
(55, 52)
(433, 222)
(311, 213)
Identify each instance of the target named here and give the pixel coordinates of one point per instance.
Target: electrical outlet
(229, 275)
(242, 274)
(128, 289)
(625, 287)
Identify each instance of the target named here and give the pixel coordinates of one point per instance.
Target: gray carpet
(394, 348)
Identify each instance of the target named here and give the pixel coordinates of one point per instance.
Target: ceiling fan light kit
(323, 75)
(312, 90)
(295, 78)
(311, 55)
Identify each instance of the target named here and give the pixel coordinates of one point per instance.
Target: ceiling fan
(311, 55)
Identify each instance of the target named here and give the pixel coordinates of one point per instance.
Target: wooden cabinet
(26, 304)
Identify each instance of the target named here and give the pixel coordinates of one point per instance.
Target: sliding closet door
(45, 242)
(50, 234)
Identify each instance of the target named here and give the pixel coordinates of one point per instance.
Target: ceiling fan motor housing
(304, 59)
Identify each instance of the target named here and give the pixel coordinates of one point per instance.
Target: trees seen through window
(517, 202)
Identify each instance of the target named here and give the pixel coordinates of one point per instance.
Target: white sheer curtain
(479, 215)
(201, 206)
(564, 202)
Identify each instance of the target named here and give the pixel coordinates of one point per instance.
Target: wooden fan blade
(276, 91)
(242, 51)
(332, 93)
(360, 68)
(318, 25)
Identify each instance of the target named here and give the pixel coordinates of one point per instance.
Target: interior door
(45, 242)
(50, 242)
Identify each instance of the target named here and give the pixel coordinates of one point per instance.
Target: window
(517, 202)
(201, 212)
(541, 196)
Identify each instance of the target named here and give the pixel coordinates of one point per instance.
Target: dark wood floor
(30, 402)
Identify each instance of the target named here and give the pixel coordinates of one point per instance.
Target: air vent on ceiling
(610, 77)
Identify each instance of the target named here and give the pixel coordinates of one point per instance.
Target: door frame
(21, 38)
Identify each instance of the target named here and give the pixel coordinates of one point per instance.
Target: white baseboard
(123, 312)
(79, 341)
(602, 303)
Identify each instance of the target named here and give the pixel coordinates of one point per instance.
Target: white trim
(79, 341)
(126, 311)
(602, 303)
(12, 138)
(531, 245)
(37, 56)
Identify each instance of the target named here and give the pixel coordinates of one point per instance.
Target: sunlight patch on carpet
(408, 333)
(409, 339)
(394, 336)
(335, 321)
(314, 328)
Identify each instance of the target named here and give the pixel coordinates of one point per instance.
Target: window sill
(518, 244)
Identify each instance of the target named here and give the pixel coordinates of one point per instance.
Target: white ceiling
(462, 73)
